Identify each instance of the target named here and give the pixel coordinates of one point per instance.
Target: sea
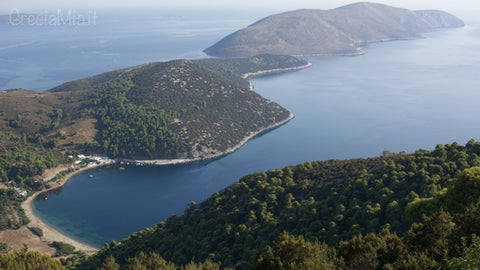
(398, 96)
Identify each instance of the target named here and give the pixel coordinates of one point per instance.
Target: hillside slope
(338, 31)
(329, 201)
(177, 109)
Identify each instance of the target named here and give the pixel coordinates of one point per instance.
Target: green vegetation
(470, 258)
(153, 261)
(37, 231)
(130, 130)
(4, 248)
(289, 252)
(63, 249)
(18, 122)
(441, 240)
(62, 174)
(357, 207)
(24, 259)
(11, 214)
(23, 158)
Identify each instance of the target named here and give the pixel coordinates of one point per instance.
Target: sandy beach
(50, 234)
(276, 70)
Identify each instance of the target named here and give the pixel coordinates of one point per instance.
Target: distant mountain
(178, 109)
(338, 31)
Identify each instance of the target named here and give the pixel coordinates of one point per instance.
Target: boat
(122, 168)
(91, 176)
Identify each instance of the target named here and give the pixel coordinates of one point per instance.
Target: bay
(399, 96)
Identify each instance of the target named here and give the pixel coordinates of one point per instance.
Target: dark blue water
(399, 96)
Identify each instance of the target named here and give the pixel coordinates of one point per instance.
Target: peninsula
(157, 113)
(179, 109)
(342, 31)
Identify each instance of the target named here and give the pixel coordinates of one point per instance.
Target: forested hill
(338, 31)
(176, 109)
(330, 201)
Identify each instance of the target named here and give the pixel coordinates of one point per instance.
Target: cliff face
(336, 31)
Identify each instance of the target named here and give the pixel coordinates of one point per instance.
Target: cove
(399, 96)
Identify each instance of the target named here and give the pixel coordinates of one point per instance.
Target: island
(340, 31)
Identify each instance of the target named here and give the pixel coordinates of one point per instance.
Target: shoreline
(275, 70)
(50, 234)
(211, 156)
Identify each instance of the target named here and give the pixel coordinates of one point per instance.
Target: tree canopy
(350, 205)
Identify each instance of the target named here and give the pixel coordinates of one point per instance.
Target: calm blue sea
(39, 57)
(399, 96)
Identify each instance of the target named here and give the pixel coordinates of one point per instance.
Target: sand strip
(276, 70)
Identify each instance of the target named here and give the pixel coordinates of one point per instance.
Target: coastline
(212, 156)
(50, 234)
(276, 70)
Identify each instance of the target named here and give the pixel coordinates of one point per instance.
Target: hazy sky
(458, 7)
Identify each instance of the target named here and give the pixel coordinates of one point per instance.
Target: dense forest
(30, 260)
(399, 210)
(130, 130)
(22, 160)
